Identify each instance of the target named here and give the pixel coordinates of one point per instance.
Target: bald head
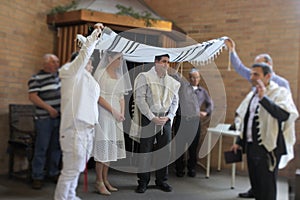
(50, 63)
(264, 58)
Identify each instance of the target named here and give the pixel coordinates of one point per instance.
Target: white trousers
(76, 145)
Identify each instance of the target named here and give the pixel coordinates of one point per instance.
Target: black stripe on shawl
(202, 51)
(114, 43)
(126, 45)
(137, 44)
(131, 46)
(217, 49)
(177, 57)
(188, 53)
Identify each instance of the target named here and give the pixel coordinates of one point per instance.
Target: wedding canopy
(200, 53)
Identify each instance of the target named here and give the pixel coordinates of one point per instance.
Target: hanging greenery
(62, 9)
(146, 16)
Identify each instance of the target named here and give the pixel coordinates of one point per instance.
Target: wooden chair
(21, 138)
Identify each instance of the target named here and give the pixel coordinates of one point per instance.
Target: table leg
(233, 170)
(220, 152)
(208, 154)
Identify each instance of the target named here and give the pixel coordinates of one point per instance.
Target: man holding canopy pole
(80, 93)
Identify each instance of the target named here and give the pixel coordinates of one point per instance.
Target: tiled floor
(217, 187)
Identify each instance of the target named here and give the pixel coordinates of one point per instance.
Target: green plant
(62, 9)
(146, 16)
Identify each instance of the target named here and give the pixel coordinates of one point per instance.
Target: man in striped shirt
(44, 93)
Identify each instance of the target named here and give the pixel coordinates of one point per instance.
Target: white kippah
(194, 70)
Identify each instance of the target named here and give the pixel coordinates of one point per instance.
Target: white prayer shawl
(201, 53)
(268, 128)
(171, 87)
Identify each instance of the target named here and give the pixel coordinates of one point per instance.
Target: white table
(221, 129)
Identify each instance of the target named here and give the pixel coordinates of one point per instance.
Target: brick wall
(24, 37)
(257, 27)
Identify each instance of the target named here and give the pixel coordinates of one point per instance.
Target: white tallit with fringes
(201, 53)
(163, 101)
(268, 125)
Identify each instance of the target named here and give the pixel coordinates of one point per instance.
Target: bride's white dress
(109, 142)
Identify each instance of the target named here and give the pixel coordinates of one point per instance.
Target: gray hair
(267, 58)
(47, 57)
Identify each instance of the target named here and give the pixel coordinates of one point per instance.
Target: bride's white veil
(115, 63)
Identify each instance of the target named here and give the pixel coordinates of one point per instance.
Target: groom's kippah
(266, 67)
(261, 64)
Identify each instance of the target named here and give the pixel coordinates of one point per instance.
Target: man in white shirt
(156, 98)
(80, 95)
(267, 131)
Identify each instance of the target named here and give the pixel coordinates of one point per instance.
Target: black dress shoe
(165, 187)
(248, 194)
(141, 188)
(192, 173)
(54, 179)
(180, 173)
(37, 184)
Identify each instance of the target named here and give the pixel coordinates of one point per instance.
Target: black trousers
(187, 130)
(154, 144)
(263, 181)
